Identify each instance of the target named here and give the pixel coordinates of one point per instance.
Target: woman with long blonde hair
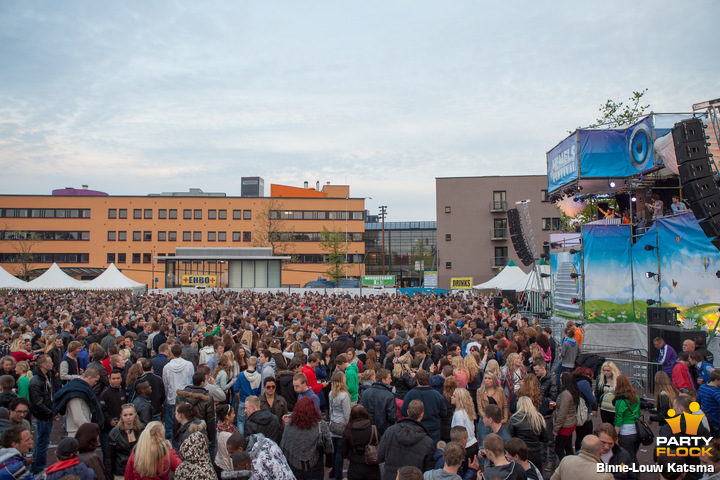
(460, 372)
(22, 369)
(514, 373)
(223, 373)
(153, 457)
(494, 367)
(605, 391)
(402, 380)
(465, 416)
(491, 392)
(665, 394)
(529, 425)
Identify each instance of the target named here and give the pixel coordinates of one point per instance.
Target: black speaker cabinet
(497, 303)
(673, 336)
(510, 295)
(662, 316)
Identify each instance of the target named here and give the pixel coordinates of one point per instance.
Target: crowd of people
(242, 385)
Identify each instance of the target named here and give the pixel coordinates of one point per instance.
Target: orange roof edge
(294, 192)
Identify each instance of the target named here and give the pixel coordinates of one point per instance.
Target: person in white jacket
(177, 375)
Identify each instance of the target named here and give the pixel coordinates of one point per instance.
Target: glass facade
(405, 244)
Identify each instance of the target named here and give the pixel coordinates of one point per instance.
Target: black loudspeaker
(700, 188)
(695, 170)
(662, 316)
(510, 295)
(673, 336)
(707, 206)
(711, 226)
(497, 303)
(517, 238)
(690, 140)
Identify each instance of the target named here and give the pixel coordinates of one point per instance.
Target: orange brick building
(84, 231)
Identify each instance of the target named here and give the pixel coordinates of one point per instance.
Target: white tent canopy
(507, 279)
(112, 279)
(531, 282)
(53, 279)
(7, 281)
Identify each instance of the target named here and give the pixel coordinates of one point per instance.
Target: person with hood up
(343, 342)
(177, 375)
(68, 462)
(196, 463)
(407, 443)
(16, 443)
(268, 461)
(207, 351)
(248, 384)
(198, 397)
(261, 421)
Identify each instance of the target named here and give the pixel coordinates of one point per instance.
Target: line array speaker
(517, 238)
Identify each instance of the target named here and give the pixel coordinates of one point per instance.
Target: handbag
(337, 428)
(644, 433)
(320, 445)
(371, 454)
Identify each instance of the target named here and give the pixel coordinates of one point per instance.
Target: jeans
(44, 428)
(169, 419)
(631, 444)
(563, 446)
(549, 457)
(105, 446)
(241, 417)
(338, 460)
(581, 431)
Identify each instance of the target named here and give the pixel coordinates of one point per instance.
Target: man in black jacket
(40, 391)
(143, 407)
(549, 392)
(196, 394)
(157, 387)
(379, 401)
(407, 443)
(261, 421)
(111, 400)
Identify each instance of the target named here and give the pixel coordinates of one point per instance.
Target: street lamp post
(383, 213)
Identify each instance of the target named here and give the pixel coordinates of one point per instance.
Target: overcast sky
(143, 97)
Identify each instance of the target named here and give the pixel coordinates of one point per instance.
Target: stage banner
(616, 153)
(562, 163)
(608, 280)
(686, 278)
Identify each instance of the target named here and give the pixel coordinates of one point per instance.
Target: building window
(544, 197)
(448, 237)
(162, 236)
(137, 213)
(500, 200)
(187, 236)
(358, 215)
(112, 212)
(447, 208)
(137, 236)
(247, 214)
(122, 213)
(122, 236)
(135, 258)
(222, 214)
(237, 236)
(187, 214)
(247, 236)
(172, 236)
(197, 214)
(448, 265)
(147, 214)
(121, 258)
(110, 258)
(555, 223)
(147, 236)
(211, 236)
(147, 258)
(197, 236)
(111, 236)
(546, 224)
(172, 214)
(162, 213)
(237, 214)
(500, 228)
(222, 236)
(212, 214)
(501, 256)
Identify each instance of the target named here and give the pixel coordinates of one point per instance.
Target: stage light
(574, 275)
(649, 248)
(650, 301)
(575, 300)
(717, 274)
(572, 251)
(650, 274)
(633, 199)
(611, 183)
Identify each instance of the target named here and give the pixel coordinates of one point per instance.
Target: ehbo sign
(205, 280)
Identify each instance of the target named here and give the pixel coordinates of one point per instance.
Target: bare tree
(271, 230)
(23, 244)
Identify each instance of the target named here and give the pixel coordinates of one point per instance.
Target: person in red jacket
(153, 457)
(309, 371)
(681, 376)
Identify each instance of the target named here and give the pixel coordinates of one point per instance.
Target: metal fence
(632, 362)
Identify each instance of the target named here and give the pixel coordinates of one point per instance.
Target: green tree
(335, 243)
(617, 114)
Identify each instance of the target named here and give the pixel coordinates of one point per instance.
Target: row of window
(551, 223)
(135, 257)
(172, 214)
(47, 258)
(44, 236)
(500, 260)
(44, 213)
(172, 236)
(315, 215)
(500, 200)
(309, 237)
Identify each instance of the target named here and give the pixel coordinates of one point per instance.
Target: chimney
(84, 187)
(306, 185)
(317, 185)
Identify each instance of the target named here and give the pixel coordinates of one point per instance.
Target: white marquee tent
(113, 279)
(9, 282)
(53, 279)
(507, 279)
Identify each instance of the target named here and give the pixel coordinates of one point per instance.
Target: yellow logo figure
(692, 422)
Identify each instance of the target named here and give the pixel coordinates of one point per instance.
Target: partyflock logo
(685, 443)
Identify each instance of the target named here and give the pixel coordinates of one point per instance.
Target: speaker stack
(696, 175)
(662, 316)
(517, 237)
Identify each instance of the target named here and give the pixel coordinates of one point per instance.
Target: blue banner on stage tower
(562, 163)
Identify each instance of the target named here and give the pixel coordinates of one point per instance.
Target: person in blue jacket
(16, 442)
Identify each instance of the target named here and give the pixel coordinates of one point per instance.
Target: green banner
(378, 280)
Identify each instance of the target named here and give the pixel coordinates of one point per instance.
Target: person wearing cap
(68, 462)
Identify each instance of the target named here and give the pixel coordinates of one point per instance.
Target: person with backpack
(358, 434)
(565, 419)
